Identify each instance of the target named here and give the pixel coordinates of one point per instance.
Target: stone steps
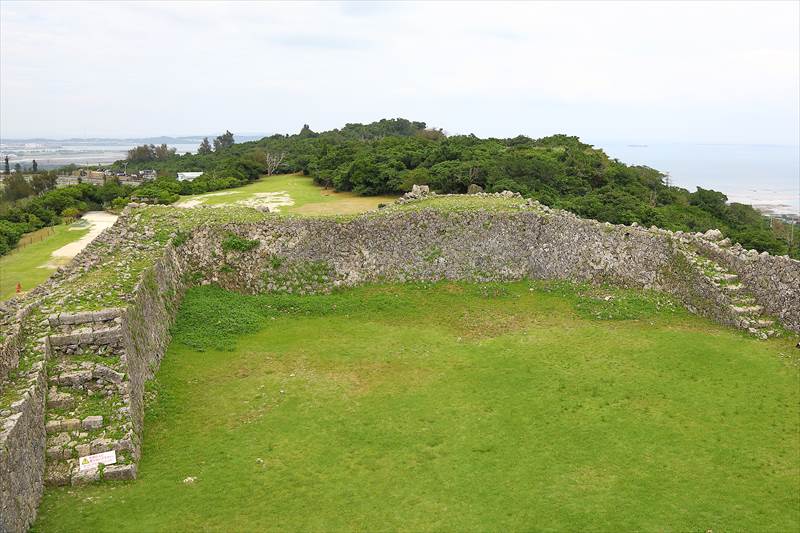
(74, 424)
(747, 310)
(66, 472)
(749, 315)
(88, 400)
(87, 376)
(68, 440)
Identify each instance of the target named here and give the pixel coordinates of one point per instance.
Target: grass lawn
(307, 197)
(24, 265)
(457, 407)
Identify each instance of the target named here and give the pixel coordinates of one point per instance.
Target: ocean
(764, 176)
(50, 153)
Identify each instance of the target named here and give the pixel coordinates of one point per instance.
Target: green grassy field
(457, 407)
(307, 197)
(24, 265)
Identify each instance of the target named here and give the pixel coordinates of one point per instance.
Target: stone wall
(145, 328)
(774, 281)
(285, 254)
(13, 338)
(299, 254)
(22, 459)
(308, 255)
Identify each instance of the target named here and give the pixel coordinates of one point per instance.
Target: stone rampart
(145, 328)
(12, 341)
(266, 253)
(22, 459)
(299, 254)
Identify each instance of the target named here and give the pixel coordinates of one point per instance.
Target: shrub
(233, 242)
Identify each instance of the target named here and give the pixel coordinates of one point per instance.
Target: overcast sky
(716, 72)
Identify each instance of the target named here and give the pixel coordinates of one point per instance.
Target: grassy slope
(23, 265)
(457, 407)
(309, 199)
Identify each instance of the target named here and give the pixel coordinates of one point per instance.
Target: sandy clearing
(200, 200)
(98, 220)
(273, 200)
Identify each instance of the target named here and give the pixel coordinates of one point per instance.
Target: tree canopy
(391, 155)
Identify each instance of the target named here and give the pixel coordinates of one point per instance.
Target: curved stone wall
(264, 253)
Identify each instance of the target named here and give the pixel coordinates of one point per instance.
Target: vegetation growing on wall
(235, 243)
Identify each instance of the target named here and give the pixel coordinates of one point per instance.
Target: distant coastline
(54, 153)
(764, 176)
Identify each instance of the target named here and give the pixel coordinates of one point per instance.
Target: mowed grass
(25, 265)
(457, 407)
(308, 198)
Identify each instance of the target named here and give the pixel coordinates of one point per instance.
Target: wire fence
(30, 238)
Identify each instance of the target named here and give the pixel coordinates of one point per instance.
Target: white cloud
(721, 72)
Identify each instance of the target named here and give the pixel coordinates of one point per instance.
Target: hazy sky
(700, 72)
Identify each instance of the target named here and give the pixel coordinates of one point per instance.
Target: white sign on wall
(89, 462)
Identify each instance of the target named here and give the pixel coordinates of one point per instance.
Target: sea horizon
(766, 176)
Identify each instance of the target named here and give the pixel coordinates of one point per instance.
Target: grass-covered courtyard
(31, 264)
(457, 407)
(290, 193)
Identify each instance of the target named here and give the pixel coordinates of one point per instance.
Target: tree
(35, 166)
(164, 152)
(307, 132)
(150, 152)
(16, 187)
(70, 213)
(205, 147)
(145, 152)
(273, 161)
(6, 169)
(17, 168)
(43, 183)
(223, 141)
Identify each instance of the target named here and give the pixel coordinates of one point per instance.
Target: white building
(188, 176)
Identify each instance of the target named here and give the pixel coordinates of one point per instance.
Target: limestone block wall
(145, 328)
(11, 342)
(22, 458)
(303, 254)
(311, 255)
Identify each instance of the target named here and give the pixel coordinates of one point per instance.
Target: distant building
(188, 176)
(148, 175)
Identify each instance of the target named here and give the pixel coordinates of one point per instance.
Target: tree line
(391, 155)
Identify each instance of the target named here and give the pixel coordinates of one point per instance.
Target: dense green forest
(390, 156)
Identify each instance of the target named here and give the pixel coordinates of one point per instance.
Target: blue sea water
(765, 176)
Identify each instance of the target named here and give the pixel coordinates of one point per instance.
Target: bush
(233, 242)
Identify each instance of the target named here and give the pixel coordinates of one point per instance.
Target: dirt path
(98, 220)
